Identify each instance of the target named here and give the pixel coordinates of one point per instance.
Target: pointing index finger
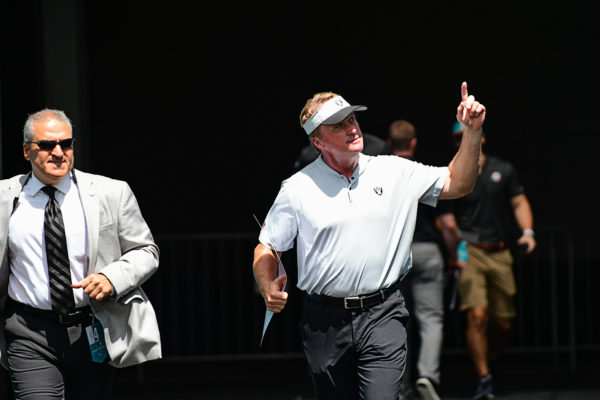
(464, 92)
(81, 284)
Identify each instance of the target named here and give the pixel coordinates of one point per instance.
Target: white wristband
(528, 232)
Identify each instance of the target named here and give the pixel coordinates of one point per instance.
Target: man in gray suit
(61, 337)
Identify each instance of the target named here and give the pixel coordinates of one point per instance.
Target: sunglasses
(49, 145)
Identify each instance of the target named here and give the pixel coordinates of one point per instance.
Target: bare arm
(524, 217)
(464, 167)
(265, 270)
(450, 233)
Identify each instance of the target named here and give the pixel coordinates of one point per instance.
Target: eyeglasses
(49, 145)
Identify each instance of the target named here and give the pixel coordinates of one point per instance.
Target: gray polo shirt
(353, 237)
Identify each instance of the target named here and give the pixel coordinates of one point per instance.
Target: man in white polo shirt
(353, 218)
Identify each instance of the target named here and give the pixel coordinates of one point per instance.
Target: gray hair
(43, 115)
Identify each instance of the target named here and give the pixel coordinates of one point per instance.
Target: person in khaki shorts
(488, 279)
(493, 218)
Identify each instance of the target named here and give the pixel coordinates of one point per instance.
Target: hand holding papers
(279, 281)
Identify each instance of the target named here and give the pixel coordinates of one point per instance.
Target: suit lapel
(6, 206)
(8, 201)
(89, 202)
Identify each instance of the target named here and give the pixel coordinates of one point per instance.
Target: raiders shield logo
(378, 190)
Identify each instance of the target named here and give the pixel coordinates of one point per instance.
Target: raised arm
(464, 167)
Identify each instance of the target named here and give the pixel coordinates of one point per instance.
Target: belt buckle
(347, 307)
(66, 319)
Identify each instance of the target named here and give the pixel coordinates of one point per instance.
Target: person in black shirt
(492, 218)
(423, 286)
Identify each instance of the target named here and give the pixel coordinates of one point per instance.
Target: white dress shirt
(28, 281)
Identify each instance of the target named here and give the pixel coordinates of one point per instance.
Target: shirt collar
(363, 161)
(35, 185)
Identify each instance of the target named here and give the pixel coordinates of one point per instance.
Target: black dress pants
(356, 354)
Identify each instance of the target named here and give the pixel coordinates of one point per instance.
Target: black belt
(362, 301)
(490, 246)
(79, 315)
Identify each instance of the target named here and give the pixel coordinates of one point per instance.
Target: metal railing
(207, 304)
(555, 299)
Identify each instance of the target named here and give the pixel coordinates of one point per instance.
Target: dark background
(196, 106)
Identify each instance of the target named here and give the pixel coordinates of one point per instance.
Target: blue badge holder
(95, 335)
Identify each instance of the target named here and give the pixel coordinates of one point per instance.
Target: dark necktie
(59, 272)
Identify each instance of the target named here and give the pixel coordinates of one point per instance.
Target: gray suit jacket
(121, 247)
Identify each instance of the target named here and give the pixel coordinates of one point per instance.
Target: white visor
(333, 111)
